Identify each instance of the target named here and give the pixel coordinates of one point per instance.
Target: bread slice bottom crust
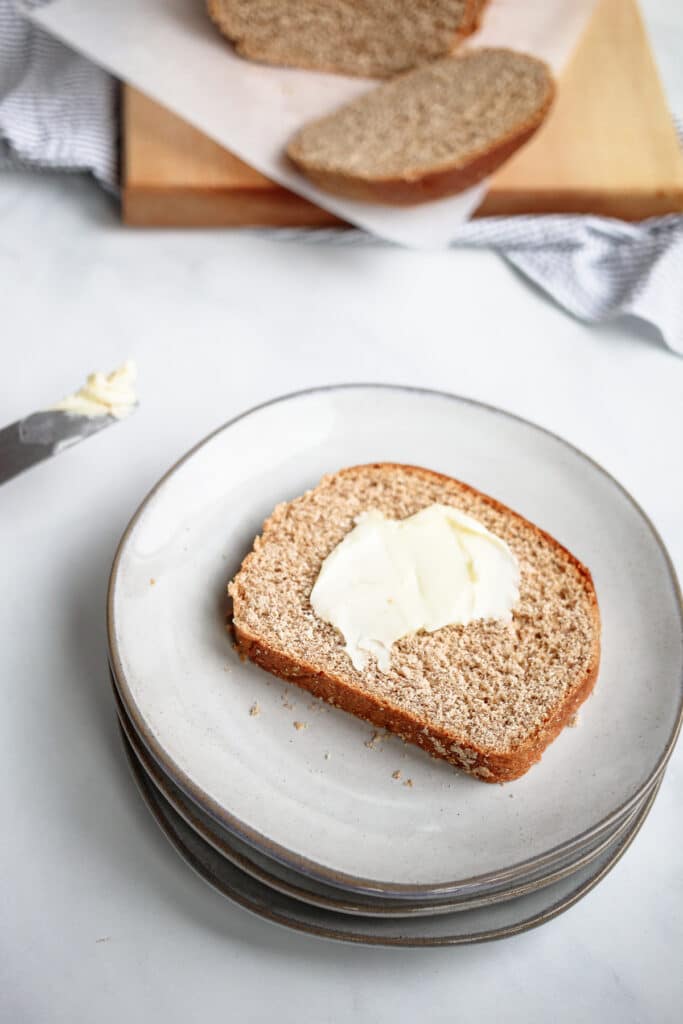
(430, 185)
(486, 765)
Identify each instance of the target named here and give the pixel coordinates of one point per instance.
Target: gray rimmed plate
(322, 800)
(298, 887)
(480, 925)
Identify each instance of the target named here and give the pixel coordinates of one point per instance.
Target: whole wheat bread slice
(353, 37)
(430, 132)
(488, 697)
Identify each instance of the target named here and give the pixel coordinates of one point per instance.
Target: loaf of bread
(353, 37)
(489, 696)
(430, 132)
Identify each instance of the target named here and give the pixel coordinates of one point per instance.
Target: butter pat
(389, 578)
(104, 394)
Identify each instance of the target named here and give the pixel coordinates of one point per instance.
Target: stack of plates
(302, 813)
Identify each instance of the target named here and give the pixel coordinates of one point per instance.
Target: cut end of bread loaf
(487, 697)
(430, 132)
(373, 40)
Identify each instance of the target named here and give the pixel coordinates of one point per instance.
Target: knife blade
(41, 435)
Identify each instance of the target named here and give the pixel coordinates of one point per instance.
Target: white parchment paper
(170, 50)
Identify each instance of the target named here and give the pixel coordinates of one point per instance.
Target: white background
(99, 919)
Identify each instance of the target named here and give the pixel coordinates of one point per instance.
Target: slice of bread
(430, 132)
(375, 40)
(488, 697)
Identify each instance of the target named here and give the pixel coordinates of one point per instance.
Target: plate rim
(145, 787)
(267, 846)
(426, 909)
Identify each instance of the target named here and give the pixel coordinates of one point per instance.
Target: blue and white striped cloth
(58, 110)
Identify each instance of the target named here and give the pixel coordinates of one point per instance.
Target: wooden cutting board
(608, 147)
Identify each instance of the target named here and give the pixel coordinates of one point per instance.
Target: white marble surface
(100, 919)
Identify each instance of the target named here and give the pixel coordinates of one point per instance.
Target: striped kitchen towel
(596, 268)
(59, 110)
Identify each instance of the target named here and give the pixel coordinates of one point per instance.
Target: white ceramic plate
(343, 819)
(289, 883)
(481, 925)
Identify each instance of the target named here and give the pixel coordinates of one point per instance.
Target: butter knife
(42, 435)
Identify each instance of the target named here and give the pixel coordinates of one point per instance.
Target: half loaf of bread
(353, 37)
(488, 697)
(430, 132)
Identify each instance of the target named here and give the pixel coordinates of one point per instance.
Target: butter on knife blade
(103, 399)
(103, 394)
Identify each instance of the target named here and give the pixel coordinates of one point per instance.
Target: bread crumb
(300, 725)
(254, 710)
(226, 668)
(409, 783)
(327, 755)
(396, 774)
(285, 702)
(152, 581)
(375, 740)
(574, 720)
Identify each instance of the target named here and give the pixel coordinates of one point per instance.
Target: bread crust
(482, 762)
(216, 9)
(472, 20)
(447, 179)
